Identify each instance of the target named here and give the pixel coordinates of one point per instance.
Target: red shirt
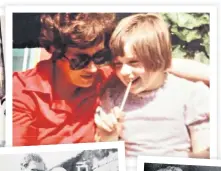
(39, 119)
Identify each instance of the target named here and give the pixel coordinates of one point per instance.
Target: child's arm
(197, 118)
(201, 155)
(190, 70)
(200, 141)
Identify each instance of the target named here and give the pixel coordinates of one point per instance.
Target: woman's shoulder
(30, 81)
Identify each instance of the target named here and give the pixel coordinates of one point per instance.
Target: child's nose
(126, 70)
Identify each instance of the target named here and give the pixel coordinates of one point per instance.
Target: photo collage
(109, 88)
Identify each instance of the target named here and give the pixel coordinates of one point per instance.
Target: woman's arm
(190, 70)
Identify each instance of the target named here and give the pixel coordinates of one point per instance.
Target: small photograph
(139, 77)
(2, 81)
(74, 157)
(149, 163)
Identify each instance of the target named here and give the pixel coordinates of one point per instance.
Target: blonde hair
(148, 37)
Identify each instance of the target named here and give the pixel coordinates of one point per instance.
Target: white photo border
(219, 84)
(141, 160)
(1, 11)
(119, 145)
(212, 9)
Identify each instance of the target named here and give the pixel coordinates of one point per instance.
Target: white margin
(219, 84)
(1, 11)
(212, 9)
(213, 84)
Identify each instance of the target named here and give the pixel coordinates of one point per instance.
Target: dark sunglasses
(80, 61)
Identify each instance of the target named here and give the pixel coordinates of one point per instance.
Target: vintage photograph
(143, 78)
(176, 164)
(2, 82)
(74, 157)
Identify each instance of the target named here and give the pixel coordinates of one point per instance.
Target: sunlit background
(189, 34)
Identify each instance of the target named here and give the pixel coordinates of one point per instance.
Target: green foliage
(189, 35)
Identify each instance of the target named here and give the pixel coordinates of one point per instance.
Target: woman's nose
(91, 67)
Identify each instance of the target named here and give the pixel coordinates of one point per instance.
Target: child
(164, 115)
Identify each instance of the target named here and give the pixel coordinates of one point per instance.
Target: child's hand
(109, 126)
(104, 136)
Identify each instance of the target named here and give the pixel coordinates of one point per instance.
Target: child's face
(129, 66)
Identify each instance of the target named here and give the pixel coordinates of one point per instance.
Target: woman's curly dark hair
(81, 30)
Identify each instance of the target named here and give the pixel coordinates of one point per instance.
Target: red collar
(39, 80)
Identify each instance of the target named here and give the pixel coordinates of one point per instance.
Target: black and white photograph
(74, 157)
(2, 81)
(153, 163)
